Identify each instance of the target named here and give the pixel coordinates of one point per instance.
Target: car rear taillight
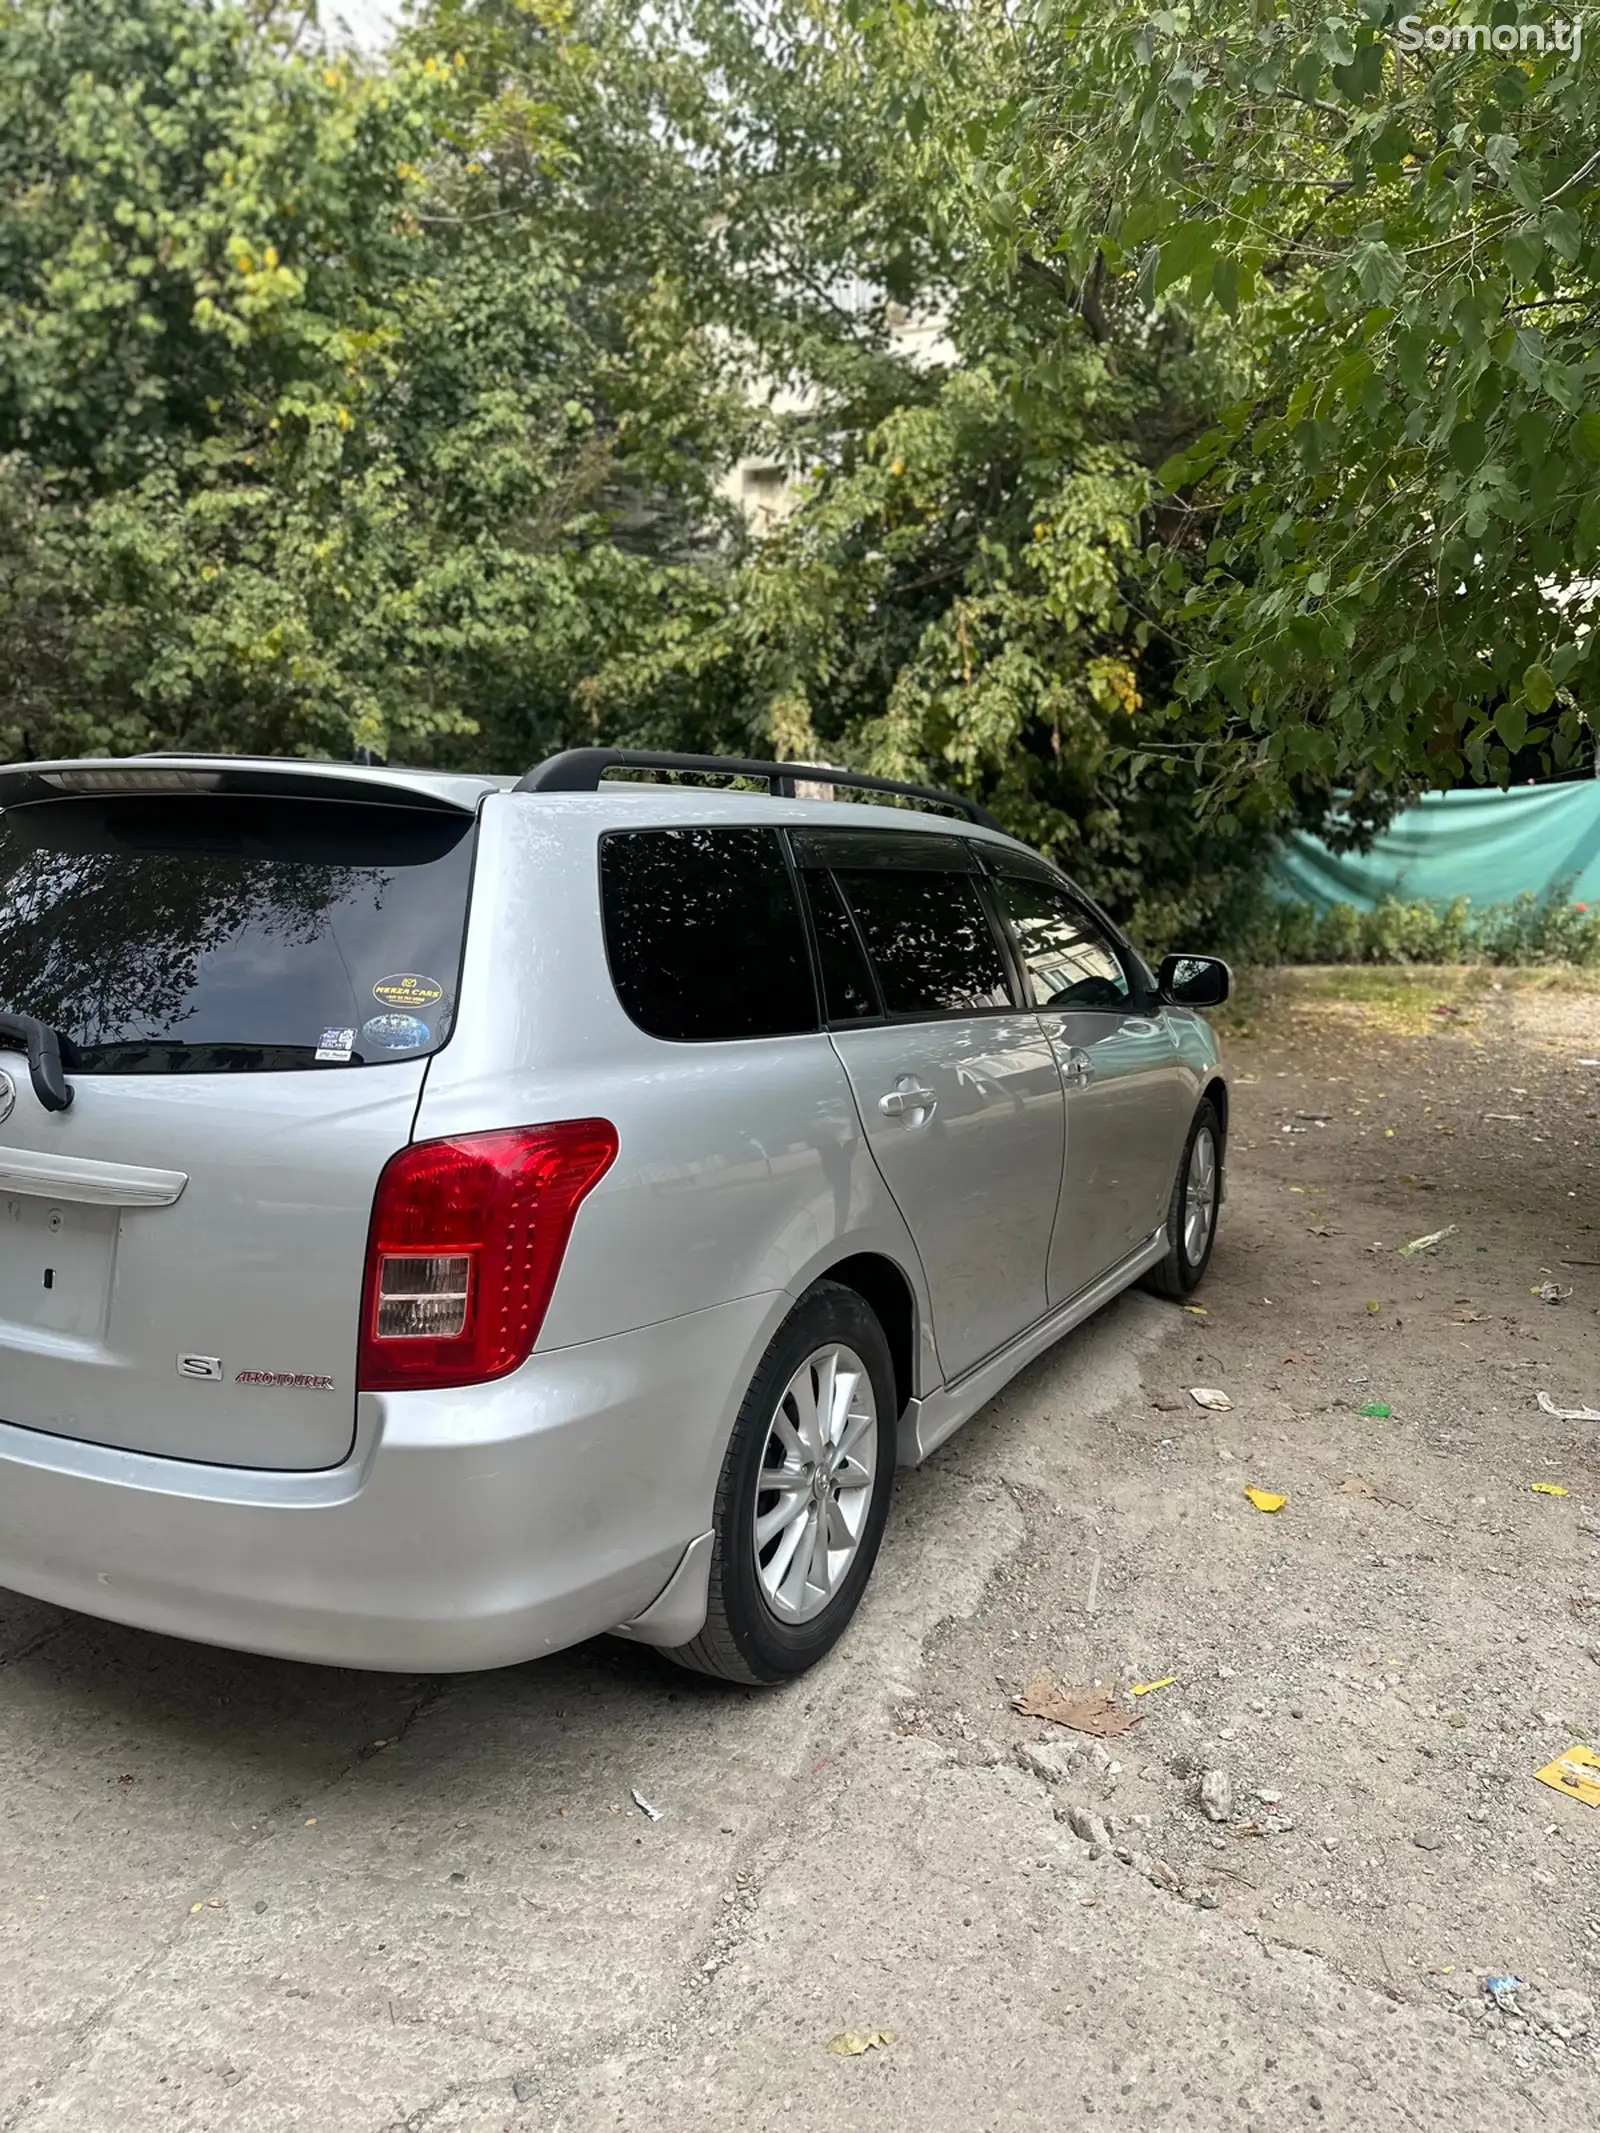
(466, 1242)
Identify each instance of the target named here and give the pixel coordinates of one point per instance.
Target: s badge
(200, 1366)
(8, 1095)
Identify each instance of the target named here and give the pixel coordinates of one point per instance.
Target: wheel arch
(884, 1287)
(1216, 1091)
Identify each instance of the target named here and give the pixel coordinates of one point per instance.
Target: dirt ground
(1386, 1661)
(246, 1896)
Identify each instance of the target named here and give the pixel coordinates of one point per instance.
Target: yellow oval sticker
(407, 992)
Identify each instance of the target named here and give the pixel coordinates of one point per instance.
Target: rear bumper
(469, 1529)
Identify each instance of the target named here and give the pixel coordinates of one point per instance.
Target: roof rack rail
(581, 770)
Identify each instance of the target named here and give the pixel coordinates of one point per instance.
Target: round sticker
(395, 1033)
(406, 990)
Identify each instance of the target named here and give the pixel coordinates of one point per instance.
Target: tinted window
(704, 935)
(930, 940)
(206, 934)
(1070, 961)
(847, 993)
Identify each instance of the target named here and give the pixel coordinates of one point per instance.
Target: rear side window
(704, 934)
(206, 934)
(930, 940)
(847, 994)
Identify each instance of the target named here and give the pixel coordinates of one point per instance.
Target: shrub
(1529, 929)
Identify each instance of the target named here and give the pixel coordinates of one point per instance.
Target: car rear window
(203, 934)
(704, 934)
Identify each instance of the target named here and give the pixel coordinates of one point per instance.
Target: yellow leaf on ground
(1577, 1774)
(1148, 1688)
(850, 2043)
(1265, 1500)
(1547, 1488)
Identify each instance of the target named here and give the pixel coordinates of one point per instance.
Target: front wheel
(803, 1495)
(1192, 1212)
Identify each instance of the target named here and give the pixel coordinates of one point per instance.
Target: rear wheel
(1192, 1213)
(803, 1496)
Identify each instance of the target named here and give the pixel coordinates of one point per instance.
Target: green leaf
(1586, 434)
(1511, 723)
(1189, 245)
(1468, 445)
(1540, 692)
(1563, 234)
(1379, 270)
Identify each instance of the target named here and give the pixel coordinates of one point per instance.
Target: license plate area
(56, 1261)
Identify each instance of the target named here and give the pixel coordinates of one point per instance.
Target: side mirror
(1194, 980)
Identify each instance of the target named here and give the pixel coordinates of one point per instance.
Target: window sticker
(395, 1033)
(336, 1044)
(406, 992)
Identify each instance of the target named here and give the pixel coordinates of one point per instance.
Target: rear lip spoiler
(89, 1183)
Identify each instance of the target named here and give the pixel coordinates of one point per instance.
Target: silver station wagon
(444, 1218)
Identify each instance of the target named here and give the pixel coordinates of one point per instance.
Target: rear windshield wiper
(43, 1047)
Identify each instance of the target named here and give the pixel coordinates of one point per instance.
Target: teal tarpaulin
(1490, 846)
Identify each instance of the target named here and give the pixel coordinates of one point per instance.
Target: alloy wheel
(814, 1490)
(1199, 1196)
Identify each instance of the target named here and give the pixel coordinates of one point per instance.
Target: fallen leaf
(1547, 1488)
(1265, 1500)
(1577, 1774)
(1373, 1309)
(1466, 1318)
(1353, 1485)
(1148, 1688)
(1429, 1243)
(1197, 1310)
(851, 2043)
(1209, 1396)
(1088, 1710)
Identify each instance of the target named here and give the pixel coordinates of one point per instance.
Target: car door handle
(1077, 1069)
(899, 1102)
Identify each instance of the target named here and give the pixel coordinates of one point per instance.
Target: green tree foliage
(316, 427)
(959, 594)
(1368, 553)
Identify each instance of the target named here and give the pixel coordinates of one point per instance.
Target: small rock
(259, 1908)
(1046, 1761)
(1205, 1901)
(523, 2091)
(458, 1877)
(1564, 2013)
(1295, 1711)
(1427, 1840)
(1092, 1828)
(1216, 1796)
(1457, 1719)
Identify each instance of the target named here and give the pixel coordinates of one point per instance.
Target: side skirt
(927, 1422)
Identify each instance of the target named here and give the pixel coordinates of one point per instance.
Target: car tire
(1191, 1237)
(791, 1557)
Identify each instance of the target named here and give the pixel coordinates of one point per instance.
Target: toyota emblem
(8, 1095)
